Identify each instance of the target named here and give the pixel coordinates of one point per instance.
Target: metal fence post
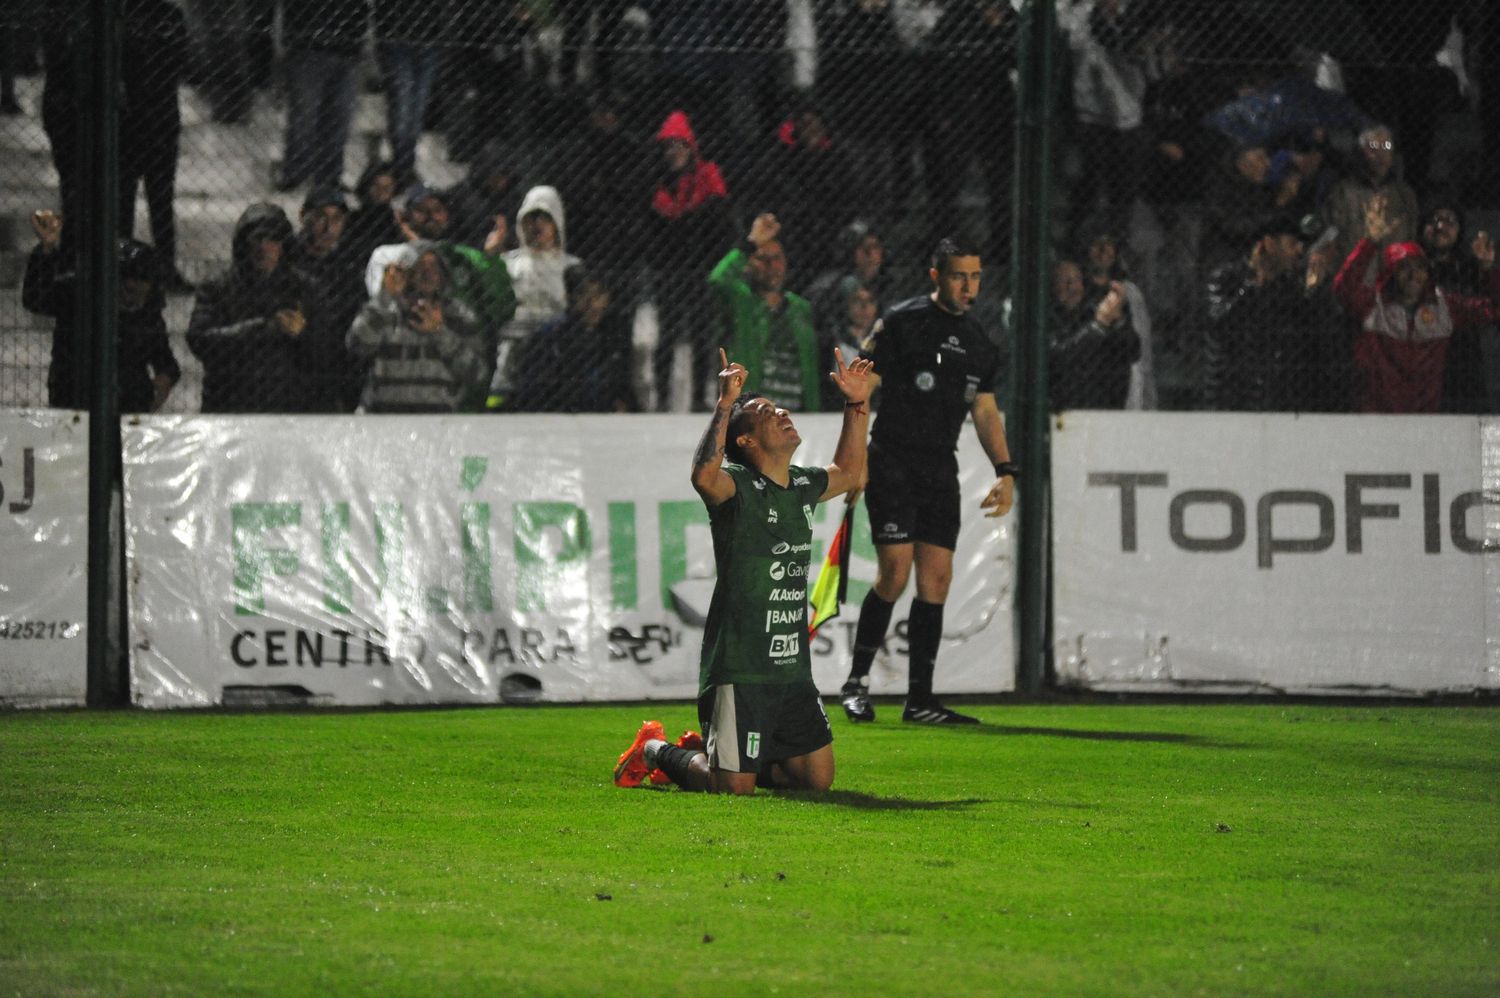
(99, 147)
(1031, 280)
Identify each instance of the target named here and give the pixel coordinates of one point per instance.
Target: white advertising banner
(44, 497)
(1277, 553)
(372, 560)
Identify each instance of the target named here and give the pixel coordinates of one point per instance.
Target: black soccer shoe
(932, 712)
(856, 700)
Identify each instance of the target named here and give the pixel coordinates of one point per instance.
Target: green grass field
(1059, 849)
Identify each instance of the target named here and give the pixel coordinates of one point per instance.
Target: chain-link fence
(543, 205)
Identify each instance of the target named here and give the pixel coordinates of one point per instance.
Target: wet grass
(1220, 849)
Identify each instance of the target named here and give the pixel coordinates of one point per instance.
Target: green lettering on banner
(472, 475)
(623, 589)
(338, 581)
(673, 519)
(479, 593)
(537, 567)
(392, 571)
(253, 557)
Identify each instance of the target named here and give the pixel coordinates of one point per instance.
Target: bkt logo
(785, 645)
(787, 570)
(1229, 508)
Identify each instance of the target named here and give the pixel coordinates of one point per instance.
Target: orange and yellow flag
(832, 585)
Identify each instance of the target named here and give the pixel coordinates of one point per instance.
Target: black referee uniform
(932, 365)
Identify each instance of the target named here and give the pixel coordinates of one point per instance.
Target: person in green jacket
(769, 329)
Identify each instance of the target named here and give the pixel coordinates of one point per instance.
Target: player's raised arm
(856, 382)
(709, 477)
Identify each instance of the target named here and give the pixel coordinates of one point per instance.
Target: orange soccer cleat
(632, 769)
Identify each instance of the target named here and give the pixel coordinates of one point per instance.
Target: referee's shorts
(913, 499)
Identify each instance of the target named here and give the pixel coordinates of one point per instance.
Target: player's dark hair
(739, 422)
(949, 248)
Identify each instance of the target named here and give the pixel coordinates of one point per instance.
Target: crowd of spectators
(1279, 231)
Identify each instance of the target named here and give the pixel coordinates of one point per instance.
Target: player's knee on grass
(739, 784)
(810, 772)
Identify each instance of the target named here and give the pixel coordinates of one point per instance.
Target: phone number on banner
(43, 630)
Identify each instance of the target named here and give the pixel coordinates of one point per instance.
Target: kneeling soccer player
(761, 714)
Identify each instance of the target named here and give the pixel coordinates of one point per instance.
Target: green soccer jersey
(757, 623)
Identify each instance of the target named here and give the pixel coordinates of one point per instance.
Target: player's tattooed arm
(711, 448)
(709, 477)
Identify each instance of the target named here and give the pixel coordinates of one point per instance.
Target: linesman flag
(832, 586)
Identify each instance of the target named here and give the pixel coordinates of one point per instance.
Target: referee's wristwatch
(1010, 468)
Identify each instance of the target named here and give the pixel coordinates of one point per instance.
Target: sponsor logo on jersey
(787, 570)
(785, 548)
(955, 346)
(772, 516)
(781, 548)
(925, 381)
(760, 486)
(785, 645)
(777, 617)
(784, 595)
(801, 480)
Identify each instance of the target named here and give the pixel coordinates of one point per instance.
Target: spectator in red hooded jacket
(1405, 321)
(690, 229)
